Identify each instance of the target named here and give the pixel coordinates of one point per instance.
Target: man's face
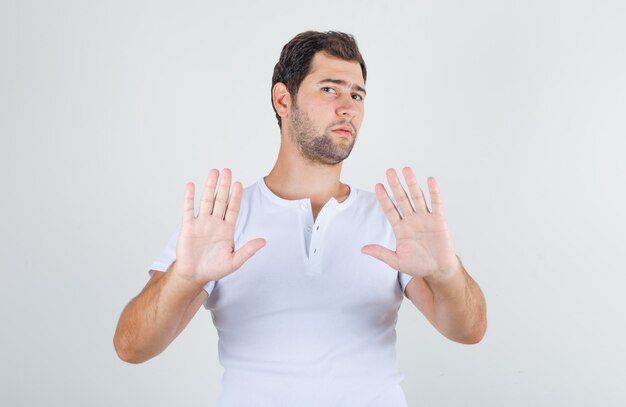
(326, 115)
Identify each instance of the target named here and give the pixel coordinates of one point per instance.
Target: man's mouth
(343, 131)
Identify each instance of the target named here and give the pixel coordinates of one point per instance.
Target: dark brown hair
(295, 59)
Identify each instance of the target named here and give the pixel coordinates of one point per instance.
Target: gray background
(517, 107)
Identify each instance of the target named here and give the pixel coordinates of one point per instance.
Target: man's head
(295, 59)
(318, 93)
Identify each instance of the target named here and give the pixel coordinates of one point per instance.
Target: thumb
(246, 251)
(381, 253)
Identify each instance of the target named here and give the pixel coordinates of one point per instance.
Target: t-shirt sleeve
(167, 257)
(404, 279)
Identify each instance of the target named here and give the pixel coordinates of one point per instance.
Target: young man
(298, 269)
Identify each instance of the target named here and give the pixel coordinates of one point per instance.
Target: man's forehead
(325, 66)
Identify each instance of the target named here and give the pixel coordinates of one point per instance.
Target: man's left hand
(424, 245)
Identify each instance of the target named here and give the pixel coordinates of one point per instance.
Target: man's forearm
(150, 322)
(459, 307)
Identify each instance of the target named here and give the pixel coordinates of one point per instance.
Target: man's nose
(347, 106)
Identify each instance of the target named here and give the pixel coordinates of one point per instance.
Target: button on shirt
(308, 320)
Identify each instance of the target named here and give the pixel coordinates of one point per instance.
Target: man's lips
(344, 131)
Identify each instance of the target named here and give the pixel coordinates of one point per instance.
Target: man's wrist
(446, 277)
(183, 283)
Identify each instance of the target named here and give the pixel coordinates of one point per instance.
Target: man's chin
(334, 160)
(326, 161)
(327, 150)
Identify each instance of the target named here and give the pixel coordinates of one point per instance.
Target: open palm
(424, 245)
(205, 249)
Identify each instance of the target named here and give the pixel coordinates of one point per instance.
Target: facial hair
(315, 147)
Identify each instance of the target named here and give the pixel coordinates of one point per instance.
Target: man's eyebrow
(344, 83)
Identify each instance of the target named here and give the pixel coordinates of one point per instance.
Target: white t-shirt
(308, 320)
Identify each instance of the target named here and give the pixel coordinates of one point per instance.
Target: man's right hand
(205, 249)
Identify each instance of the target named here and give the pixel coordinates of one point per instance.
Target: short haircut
(295, 59)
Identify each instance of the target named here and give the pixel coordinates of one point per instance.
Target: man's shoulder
(365, 197)
(250, 189)
(365, 194)
(366, 203)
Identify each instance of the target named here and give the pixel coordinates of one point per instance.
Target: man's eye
(328, 89)
(357, 97)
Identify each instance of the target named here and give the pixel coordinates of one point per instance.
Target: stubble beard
(315, 147)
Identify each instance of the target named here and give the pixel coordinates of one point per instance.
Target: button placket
(316, 247)
(317, 237)
(306, 223)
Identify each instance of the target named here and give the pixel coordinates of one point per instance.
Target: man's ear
(281, 99)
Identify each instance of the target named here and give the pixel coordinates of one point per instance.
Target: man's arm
(440, 288)
(205, 251)
(154, 318)
(455, 307)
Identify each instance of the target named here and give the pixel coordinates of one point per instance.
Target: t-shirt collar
(332, 202)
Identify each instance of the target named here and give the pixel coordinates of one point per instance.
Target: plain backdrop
(518, 108)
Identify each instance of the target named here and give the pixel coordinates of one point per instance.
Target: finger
(435, 195)
(414, 189)
(232, 211)
(208, 195)
(391, 212)
(246, 251)
(221, 199)
(383, 254)
(188, 212)
(402, 199)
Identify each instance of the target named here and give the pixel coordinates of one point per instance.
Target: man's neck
(293, 177)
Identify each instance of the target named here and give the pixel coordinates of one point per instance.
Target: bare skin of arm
(441, 288)
(456, 307)
(155, 317)
(205, 251)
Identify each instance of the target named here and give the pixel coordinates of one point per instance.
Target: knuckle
(402, 198)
